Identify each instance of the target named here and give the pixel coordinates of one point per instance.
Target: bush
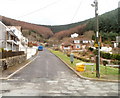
(84, 59)
(119, 45)
(115, 62)
(91, 49)
(95, 52)
(106, 55)
(110, 56)
(117, 56)
(105, 62)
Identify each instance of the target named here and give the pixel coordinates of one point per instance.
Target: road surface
(48, 76)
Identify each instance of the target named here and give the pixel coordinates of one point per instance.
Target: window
(66, 47)
(76, 41)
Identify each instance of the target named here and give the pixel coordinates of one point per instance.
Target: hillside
(108, 22)
(44, 32)
(109, 27)
(59, 28)
(36, 32)
(66, 33)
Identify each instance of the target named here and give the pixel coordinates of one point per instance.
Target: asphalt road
(48, 76)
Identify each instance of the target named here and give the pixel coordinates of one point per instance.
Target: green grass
(65, 58)
(105, 72)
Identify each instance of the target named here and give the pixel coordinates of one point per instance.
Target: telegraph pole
(97, 39)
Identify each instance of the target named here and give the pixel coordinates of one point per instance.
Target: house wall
(23, 41)
(9, 46)
(15, 47)
(2, 35)
(76, 41)
(8, 40)
(75, 47)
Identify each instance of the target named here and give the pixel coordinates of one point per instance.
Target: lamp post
(97, 39)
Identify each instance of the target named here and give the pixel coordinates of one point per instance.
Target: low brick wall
(12, 61)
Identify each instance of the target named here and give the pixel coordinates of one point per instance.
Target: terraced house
(23, 41)
(11, 39)
(8, 40)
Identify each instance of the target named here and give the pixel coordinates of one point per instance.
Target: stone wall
(12, 61)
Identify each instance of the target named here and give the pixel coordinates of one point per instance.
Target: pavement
(47, 75)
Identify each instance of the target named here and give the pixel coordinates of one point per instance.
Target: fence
(7, 54)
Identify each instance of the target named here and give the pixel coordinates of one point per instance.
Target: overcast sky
(53, 12)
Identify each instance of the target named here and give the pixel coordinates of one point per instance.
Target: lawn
(90, 71)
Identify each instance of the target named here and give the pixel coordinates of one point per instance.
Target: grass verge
(109, 73)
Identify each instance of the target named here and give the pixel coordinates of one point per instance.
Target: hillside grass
(90, 71)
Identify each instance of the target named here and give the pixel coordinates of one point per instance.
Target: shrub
(119, 45)
(113, 56)
(91, 49)
(110, 56)
(105, 62)
(117, 56)
(107, 55)
(95, 52)
(115, 62)
(91, 55)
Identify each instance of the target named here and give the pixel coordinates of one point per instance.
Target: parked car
(40, 48)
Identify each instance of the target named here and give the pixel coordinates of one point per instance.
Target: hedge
(116, 62)
(110, 56)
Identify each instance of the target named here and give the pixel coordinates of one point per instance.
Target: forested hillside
(108, 22)
(109, 26)
(43, 31)
(59, 28)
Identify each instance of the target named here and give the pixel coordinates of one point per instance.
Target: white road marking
(47, 69)
(20, 69)
(52, 81)
(12, 79)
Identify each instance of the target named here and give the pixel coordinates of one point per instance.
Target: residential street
(48, 76)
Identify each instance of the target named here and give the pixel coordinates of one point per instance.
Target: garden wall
(12, 61)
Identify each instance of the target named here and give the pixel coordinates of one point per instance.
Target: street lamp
(97, 39)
